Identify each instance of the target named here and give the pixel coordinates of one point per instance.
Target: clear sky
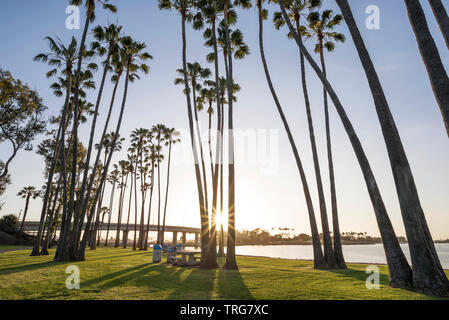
(264, 198)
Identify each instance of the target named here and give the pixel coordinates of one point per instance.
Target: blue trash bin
(157, 253)
(171, 254)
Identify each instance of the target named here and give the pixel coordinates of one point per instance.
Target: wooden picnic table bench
(188, 256)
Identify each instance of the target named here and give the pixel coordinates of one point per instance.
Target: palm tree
(159, 134)
(131, 58)
(322, 27)
(400, 272)
(152, 159)
(185, 9)
(27, 193)
(170, 138)
(113, 179)
(108, 36)
(427, 273)
(131, 169)
(319, 261)
(431, 57)
(90, 16)
(64, 57)
(296, 12)
(140, 145)
(209, 12)
(231, 262)
(124, 173)
(442, 17)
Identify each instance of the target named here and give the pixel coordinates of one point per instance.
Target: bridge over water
(33, 226)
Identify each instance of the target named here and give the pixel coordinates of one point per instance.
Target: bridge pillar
(175, 237)
(184, 238)
(196, 239)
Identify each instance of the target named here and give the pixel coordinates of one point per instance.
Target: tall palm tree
(170, 138)
(27, 193)
(442, 17)
(132, 59)
(113, 179)
(139, 142)
(231, 262)
(319, 261)
(159, 134)
(431, 57)
(427, 273)
(400, 272)
(90, 16)
(64, 57)
(322, 27)
(131, 169)
(209, 12)
(185, 9)
(124, 174)
(152, 159)
(296, 10)
(106, 39)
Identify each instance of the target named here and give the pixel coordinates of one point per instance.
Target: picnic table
(188, 256)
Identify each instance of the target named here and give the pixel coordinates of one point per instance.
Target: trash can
(157, 253)
(179, 247)
(171, 254)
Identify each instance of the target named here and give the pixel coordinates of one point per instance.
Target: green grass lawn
(12, 247)
(112, 273)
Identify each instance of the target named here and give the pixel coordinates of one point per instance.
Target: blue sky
(263, 200)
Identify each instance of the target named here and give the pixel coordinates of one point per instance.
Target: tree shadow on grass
(29, 267)
(198, 285)
(231, 286)
(359, 275)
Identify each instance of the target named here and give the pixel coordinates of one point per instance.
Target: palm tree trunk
(319, 261)
(212, 249)
(204, 218)
(149, 209)
(82, 248)
(79, 212)
(166, 192)
(101, 187)
(428, 275)
(71, 205)
(159, 191)
(126, 232)
(119, 219)
(47, 240)
(111, 203)
(61, 250)
(442, 18)
(431, 57)
(27, 202)
(231, 263)
(400, 272)
(135, 208)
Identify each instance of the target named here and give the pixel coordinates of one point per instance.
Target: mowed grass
(110, 273)
(12, 247)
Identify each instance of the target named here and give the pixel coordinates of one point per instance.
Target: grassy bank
(112, 273)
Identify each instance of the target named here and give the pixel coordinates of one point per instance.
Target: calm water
(353, 253)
